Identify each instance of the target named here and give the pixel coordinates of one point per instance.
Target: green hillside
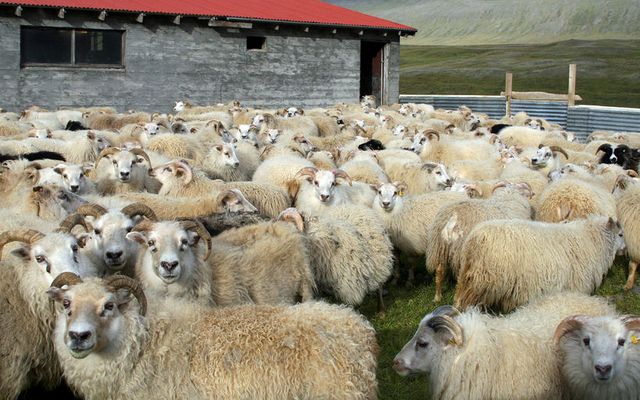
(470, 22)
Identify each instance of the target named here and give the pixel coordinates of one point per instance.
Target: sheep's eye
(40, 259)
(74, 248)
(97, 231)
(66, 303)
(133, 162)
(151, 242)
(422, 345)
(586, 341)
(315, 183)
(621, 342)
(108, 306)
(333, 183)
(115, 162)
(395, 193)
(65, 176)
(129, 228)
(167, 169)
(438, 173)
(184, 242)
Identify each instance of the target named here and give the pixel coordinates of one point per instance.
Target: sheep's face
(438, 174)
(110, 241)
(359, 122)
(171, 250)
(420, 141)
(52, 255)
(404, 110)
(293, 112)
(258, 120)
(151, 129)
(473, 122)
(124, 163)
(400, 130)
(305, 145)
(93, 319)
(436, 334)
(599, 349)
(272, 135)
(55, 202)
(40, 133)
(324, 184)
(542, 157)
(179, 106)
(247, 132)
(389, 194)
(73, 176)
(227, 154)
(49, 176)
(534, 124)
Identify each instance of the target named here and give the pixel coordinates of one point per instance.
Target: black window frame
(73, 63)
(262, 39)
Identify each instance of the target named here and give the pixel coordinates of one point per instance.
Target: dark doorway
(371, 70)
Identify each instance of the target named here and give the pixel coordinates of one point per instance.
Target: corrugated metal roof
(296, 11)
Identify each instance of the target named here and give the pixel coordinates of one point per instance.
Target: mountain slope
(457, 22)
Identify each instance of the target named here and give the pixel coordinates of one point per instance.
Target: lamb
(599, 356)
(74, 178)
(127, 173)
(180, 180)
(628, 210)
(405, 219)
(479, 356)
(582, 198)
(420, 177)
(222, 163)
(340, 244)
(507, 263)
(197, 344)
(28, 358)
(453, 223)
(110, 251)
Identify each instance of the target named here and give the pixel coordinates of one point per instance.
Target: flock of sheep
(182, 255)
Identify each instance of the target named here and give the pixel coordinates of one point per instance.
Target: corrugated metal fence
(582, 120)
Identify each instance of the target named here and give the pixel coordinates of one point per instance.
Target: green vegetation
(607, 69)
(406, 307)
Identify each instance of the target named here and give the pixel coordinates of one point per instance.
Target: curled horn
(187, 171)
(472, 187)
(568, 325)
(136, 209)
(451, 311)
(493, 138)
(200, 230)
(602, 147)
(141, 153)
(291, 214)
(499, 185)
(631, 322)
(19, 235)
(632, 173)
(430, 132)
(94, 210)
(307, 171)
(115, 282)
(143, 226)
(104, 153)
(559, 150)
(71, 221)
(338, 173)
(445, 323)
(621, 182)
(66, 278)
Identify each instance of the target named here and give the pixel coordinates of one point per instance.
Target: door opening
(372, 70)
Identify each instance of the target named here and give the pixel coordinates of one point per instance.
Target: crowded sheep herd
(219, 252)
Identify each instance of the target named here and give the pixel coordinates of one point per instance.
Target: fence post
(572, 85)
(508, 87)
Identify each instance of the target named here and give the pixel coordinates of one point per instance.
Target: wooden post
(508, 87)
(572, 85)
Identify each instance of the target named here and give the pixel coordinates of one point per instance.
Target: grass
(607, 69)
(406, 307)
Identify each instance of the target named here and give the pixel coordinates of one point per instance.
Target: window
(71, 47)
(256, 43)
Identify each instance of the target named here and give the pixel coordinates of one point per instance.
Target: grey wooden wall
(166, 62)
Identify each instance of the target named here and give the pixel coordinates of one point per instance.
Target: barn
(145, 54)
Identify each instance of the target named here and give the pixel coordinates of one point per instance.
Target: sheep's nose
(324, 197)
(448, 182)
(79, 336)
(385, 204)
(603, 369)
(398, 364)
(124, 174)
(169, 266)
(114, 255)
(235, 164)
(74, 188)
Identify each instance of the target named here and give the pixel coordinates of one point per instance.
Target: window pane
(45, 45)
(98, 47)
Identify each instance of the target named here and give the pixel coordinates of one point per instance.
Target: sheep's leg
(439, 277)
(396, 268)
(411, 276)
(633, 267)
(381, 308)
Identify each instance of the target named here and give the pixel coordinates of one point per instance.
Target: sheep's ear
(83, 240)
(91, 135)
(55, 294)
(374, 187)
(22, 252)
(447, 330)
(611, 224)
(58, 169)
(137, 237)
(632, 322)
(300, 111)
(218, 147)
(193, 130)
(429, 166)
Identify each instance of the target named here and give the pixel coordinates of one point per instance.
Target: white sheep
(420, 177)
(628, 210)
(600, 356)
(472, 355)
(222, 163)
(127, 172)
(311, 350)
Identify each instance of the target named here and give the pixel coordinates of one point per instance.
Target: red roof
(296, 11)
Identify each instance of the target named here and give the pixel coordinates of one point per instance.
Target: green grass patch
(607, 74)
(406, 307)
